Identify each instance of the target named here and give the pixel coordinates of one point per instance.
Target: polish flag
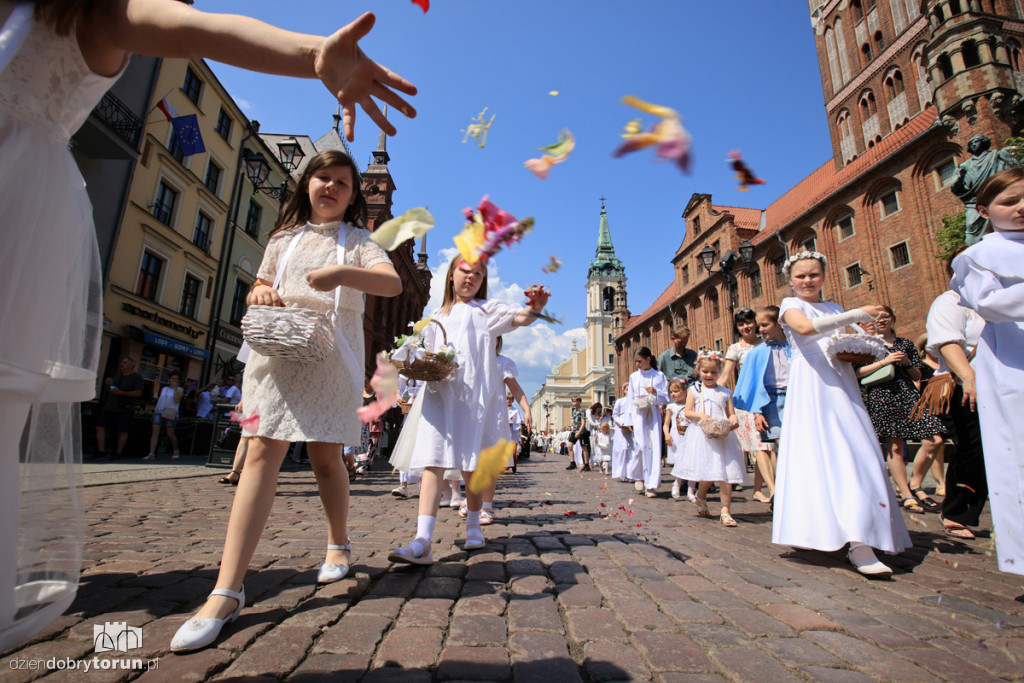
(167, 108)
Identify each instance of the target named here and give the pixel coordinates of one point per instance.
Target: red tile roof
(744, 217)
(667, 297)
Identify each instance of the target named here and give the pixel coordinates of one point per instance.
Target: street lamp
(547, 414)
(729, 265)
(257, 168)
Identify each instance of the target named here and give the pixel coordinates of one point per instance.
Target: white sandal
(330, 572)
(474, 538)
(197, 632)
(486, 517)
(417, 552)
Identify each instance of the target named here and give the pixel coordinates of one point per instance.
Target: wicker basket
(714, 428)
(858, 358)
(432, 368)
(297, 334)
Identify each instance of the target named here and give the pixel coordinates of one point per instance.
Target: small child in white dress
(675, 427)
(603, 446)
(711, 458)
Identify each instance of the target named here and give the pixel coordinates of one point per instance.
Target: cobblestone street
(580, 581)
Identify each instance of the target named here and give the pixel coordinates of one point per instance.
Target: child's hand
(760, 424)
(324, 279)
(651, 390)
(353, 78)
(537, 297)
(668, 440)
(264, 295)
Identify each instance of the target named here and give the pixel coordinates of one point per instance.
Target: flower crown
(802, 256)
(710, 354)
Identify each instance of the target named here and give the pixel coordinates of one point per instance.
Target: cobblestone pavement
(580, 581)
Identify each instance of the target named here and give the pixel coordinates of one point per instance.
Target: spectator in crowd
(122, 390)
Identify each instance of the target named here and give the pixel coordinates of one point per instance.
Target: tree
(951, 235)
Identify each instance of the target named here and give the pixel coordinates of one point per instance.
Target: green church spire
(605, 263)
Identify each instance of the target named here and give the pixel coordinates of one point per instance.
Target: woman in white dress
(648, 392)
(56, 61)
(828, 442)
(455, 419)
(314, 260)
(989, 277)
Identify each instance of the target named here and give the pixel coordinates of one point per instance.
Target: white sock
(488, 506)
(472, 518)
(691, 488)
(425, 527)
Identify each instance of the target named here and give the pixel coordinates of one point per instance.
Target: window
(879, 42)
(865, 54)
(609, 337)
(890, 203)
(174, 147)
(858, 11)
(868, 108)
(853, 275)
(611, 359)
(844, 62)
(899, 18)
(970, 54)
(716, 311)
(696, 225)
(163, 206)
(252, 219)
(224, 125)
(893, 83)
(833, 61)
(212, 179)
(190, 296)
(192, 85)
(900, 255)
(780, 274)
(201, 236)
(717, 247)
(844, 228)
(238, 302)
(755, 282)
(946, 173)
(149, 276)
(718, 345)
(686, 275)
(808, 243)
(945, 66)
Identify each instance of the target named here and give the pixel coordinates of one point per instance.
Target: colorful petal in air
(249, 424)
(671, 139)
(410, 225)
(385, 386)
(491, 462)
(418, 327)
(423, 4)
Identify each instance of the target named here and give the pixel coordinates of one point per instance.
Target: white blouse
(949, 322)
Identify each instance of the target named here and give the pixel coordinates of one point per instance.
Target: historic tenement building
(906, 84)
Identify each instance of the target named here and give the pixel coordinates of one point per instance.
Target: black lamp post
(547, 414)
(729, 265)
(257, 169)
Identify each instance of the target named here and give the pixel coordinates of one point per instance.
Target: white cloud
(243, 103)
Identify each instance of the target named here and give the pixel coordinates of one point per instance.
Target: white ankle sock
(488, 506)
(472, 518)
(862, 554)
(425, 527)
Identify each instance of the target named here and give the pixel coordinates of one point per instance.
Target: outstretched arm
(520, 396)
(172, 29)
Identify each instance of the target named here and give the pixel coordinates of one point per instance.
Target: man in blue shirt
(678, 361)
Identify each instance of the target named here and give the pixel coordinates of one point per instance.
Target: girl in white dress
(165, 415)
(648, 392)
(57, 59)
(603, 445)
(623, 452)
(827, 440)
(461, 416)
(711, 459)
(989, 277)
(319, 248)
(675, 428)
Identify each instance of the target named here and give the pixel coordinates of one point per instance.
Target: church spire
(605, 263)
(380, 155)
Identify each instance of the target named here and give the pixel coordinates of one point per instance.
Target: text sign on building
(176, 346)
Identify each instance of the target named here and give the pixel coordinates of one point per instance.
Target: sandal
(486, 517)
(464, 509)
(474, 538)
(228, 480)
(727, 519)
(912, 504)
(417, 552)
(927, 501)
(702, 508)
(956, 530)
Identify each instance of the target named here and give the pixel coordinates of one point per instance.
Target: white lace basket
(298, 334)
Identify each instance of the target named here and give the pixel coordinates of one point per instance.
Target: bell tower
(378, 185)
(604, 280)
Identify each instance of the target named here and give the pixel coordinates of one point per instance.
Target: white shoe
(676, 492)
(197, 633)
(417, 552)
(330, 572)
(151, 456)
(457, 502)
(862, 557)
(446, 501)
(474, 538)
(638, 485)
(400, 492)
(692, 497)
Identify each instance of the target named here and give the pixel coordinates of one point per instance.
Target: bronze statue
(971, 174)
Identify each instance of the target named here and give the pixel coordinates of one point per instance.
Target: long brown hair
(996, 184)
(449, 287)
(298, 210)
(61, 15)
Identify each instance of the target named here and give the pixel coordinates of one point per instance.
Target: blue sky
(743, 74)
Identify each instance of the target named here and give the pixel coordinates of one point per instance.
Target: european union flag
(186, 129)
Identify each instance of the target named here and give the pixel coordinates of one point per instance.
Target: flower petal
(410, 225)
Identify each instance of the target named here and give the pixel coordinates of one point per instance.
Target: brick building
(906, 84)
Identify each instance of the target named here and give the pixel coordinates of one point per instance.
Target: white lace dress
(300, 401)
(50, 320)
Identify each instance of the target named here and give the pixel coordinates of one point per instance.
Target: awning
(175, 345)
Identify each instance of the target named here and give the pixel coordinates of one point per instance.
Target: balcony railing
(120, 119)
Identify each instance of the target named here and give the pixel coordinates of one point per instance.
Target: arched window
(899, 16)
(879, 42)
(865, 55)
(937, 14)
(893, 83)
(847, 143)
(954, 8)
(716, 311)
(1013, 50)
(858, 11)
(970, 53)
(868, 108)
(833, 62)
(607, 299)
(844, 59)
(945, 66)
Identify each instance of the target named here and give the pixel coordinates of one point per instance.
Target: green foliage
(1015, 146)
(952, 234)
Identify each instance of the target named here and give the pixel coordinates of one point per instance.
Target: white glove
(830, 323)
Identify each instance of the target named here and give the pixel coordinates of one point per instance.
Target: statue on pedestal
(971, 174)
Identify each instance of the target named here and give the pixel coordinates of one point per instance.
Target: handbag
(879, 376)
(292, 333)
(169, 414)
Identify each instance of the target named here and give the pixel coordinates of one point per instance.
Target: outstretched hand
(537, 297)
(353, 78)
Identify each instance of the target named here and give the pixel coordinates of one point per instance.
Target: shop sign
(160, 320)
(228, 336)
(176, 346)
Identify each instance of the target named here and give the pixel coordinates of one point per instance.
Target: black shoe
(571, 466)
(585, 468)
